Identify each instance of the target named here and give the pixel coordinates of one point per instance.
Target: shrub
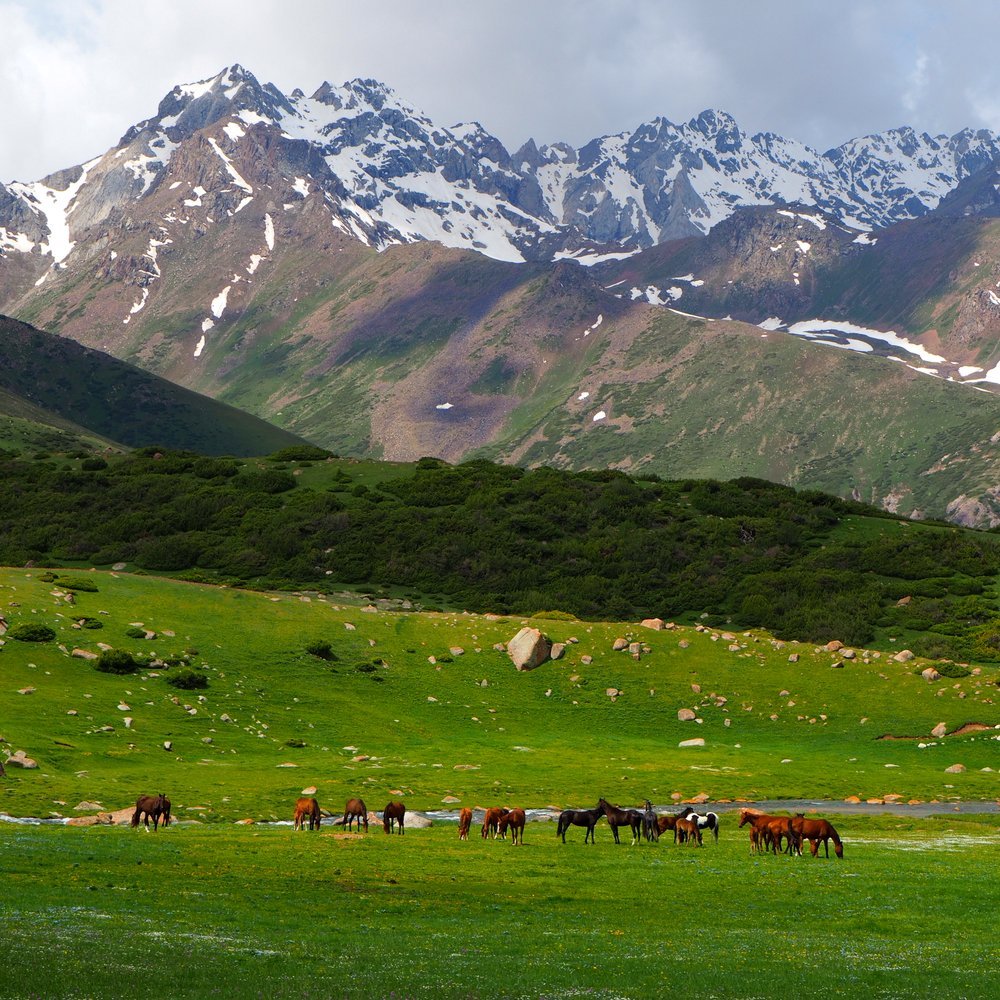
(116, 661)
(77, 583)
(92, 623)
(188, 680)
(321, 648)
(556, 616)
(300, 453)
(366, 668)
(32, 632)
(93, 464)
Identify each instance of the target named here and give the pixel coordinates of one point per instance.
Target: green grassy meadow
(212, 908)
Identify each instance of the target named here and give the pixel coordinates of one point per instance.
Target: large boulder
(529, 649)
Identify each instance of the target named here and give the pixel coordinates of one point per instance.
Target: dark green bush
(116, 661)
(93, 464)
(91, 623)
(322, 649)
(32, 632)
(188, 680)
(77, 583)
(134, 632)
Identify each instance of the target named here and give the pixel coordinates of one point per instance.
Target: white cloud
(75, 76)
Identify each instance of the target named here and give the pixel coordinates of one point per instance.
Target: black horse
(632, 818)
(579, 817)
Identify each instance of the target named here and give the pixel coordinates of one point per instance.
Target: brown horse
(464, 822)
(664, 823)
(515, 821)
(687, 831)
(151, 807)
(816, 831)
(767, 832)
(306, 810)
(355, 809)
(393, 813)
(491, 821)
(616, 817)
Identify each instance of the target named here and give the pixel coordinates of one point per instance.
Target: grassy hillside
(375, 715)
(56, 380)
(422, 708)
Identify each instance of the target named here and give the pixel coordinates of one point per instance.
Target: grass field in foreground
(224, 911)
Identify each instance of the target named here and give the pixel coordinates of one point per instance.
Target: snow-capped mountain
(389, 174)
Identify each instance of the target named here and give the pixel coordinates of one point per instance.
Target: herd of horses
(784, 834)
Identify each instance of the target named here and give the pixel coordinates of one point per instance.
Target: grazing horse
(687, 830)
(393, 813)
(616, 817)
(491, 821)
(708, 821)
(515, 821)
(650, 827)
(150, 807)
(306, 810)
(355, 809)
(816, 830)
(768, 831)
(464, 822)
(579, 817)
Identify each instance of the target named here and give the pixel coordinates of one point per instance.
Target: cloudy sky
(75, 74)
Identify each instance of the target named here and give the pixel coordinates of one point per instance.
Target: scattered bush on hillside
(91, 623)
(93, 464)
(300, 453)
(116, 661)
(188, 680)
(556, 616)
(322, 649)
(32, 632)
(77, 583)
(134, 632)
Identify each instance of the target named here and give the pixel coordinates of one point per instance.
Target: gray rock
(529, 649)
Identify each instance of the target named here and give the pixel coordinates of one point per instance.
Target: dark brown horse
(355, 809)
(650, 827)
(491, 821)
(817, 831)
(514, 820)
(393, 813)
(616, 817)
(579, 817)
(664, 823)
(151, 807)
(464, 823)
(306, 811)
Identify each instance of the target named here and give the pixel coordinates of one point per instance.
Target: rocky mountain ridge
(390, 174)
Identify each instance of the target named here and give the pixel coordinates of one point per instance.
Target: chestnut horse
(816, 830)
(306, 810)
(515, 821)
(768, 831)
(491, 821)
(464, 822)
(709, 820)
(616, 817)
(355, 809)
(151, 807)
(579, 817)
(687, 830)
(391, 814)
